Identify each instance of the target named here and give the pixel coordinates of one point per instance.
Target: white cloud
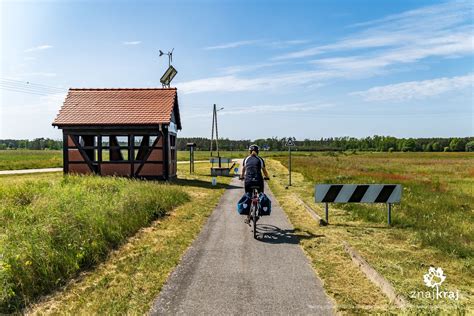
(49, 104)
(233, 44)
(443, 30)
(37, 48)
(132, 43)
(287, 43)
(264, 43)
(32, 117)
(375, 47)
(245, 68)
(232, 83)
(265, 109)
(416, 89)
(38, 74)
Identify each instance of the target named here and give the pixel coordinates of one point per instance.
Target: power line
(29, 88)
(31, 84)
(24, 91)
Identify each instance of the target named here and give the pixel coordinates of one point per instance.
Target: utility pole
(214, 123)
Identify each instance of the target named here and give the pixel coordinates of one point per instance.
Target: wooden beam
(145, 143)
(65, 153)
(117, 129)
(131, 153)
(166, 153)
(147, 155)
(83, 153)
(115, 153)
(99, 153)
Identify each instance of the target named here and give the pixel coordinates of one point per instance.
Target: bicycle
(254, 209)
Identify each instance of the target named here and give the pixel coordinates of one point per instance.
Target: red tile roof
(122, 106)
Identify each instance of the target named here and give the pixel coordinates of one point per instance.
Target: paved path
(227, 272)
(24, 171)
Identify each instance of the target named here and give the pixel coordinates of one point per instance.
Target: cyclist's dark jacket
(253, 172)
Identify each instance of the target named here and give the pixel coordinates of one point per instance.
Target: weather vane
(170, 56)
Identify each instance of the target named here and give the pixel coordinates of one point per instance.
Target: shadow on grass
(361, 226)
(203, 184)
(274, 235)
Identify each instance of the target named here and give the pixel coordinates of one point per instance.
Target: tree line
(35, 144)
(373, 143)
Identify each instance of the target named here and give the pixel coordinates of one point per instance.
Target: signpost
(290, 142)
(191, 156)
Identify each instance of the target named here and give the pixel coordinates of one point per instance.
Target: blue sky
(308, 69)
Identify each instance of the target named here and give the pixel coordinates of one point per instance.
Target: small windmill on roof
(171, 72)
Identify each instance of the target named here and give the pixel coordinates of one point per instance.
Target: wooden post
(191, 159)
(65, 153)
(131, 154)
(99, 153)
(166, 153)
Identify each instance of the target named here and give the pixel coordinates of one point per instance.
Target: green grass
(30, 159)
(35, 159)
(133, 275)
(206, 155)
(52, 227)
(437, 202)
(436, 185)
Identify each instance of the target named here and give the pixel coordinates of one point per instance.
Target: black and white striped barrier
(359, 193)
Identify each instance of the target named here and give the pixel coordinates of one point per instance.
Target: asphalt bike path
(227, 272)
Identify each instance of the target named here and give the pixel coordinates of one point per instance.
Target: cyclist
(252, 168)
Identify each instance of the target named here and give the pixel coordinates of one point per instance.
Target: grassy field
(431, 227)
(30, 159)
(51, 227)
(34, 159)
(133, 274)
(206, 155)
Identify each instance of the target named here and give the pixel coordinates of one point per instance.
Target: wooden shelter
(122, 132)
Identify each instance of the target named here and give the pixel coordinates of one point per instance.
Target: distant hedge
(373, 143)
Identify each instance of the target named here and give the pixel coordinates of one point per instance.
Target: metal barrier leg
(327, 213)
(389, 213)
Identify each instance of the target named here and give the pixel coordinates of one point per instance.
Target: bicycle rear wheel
(254, 220)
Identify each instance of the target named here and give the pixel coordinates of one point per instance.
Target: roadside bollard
(214, 181)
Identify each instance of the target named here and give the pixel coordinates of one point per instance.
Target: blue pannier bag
(265, 205)
(243, 206)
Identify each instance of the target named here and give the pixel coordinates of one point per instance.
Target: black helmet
(254, 148)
